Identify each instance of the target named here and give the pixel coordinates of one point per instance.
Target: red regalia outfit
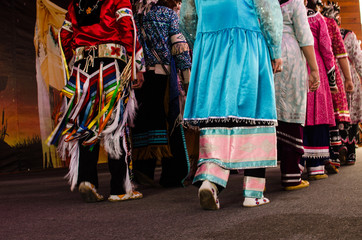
(99, 39)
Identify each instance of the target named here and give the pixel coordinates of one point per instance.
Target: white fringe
(110, 142)
(114, 120)
(128, 186)
(72, 175)
(111, 145)
(112, 136)
(63, 148)
(131, 109)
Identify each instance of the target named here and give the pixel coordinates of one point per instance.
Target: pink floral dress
(319, 103)
(340, 104)
(355, 57)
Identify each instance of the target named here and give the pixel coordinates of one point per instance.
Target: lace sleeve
(271, 21)
(301, 26)
(354, 51)
(188, 21)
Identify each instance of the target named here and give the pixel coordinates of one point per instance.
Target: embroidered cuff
(123, 12)
(275, 52)
(343, 55)
(140, 61)
(332, 77)
(179, 44)
(67, 26)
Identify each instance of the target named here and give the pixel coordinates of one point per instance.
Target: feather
(72, 175)
(131, 109)
(128, 186)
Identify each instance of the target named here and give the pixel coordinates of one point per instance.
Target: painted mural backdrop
(20, 141)
(31, 77)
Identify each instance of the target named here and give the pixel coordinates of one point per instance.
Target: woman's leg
(88, 159)
(316, 150)
(254, 185)
(335, 144)
(290, 151)
(87, 173)
(212, 179)
(351, 144)
(254, 182)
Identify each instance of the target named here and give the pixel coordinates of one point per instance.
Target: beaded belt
(107, 50)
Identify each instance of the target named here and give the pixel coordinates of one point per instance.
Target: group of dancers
(265, 80)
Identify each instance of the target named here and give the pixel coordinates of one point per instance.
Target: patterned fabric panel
(316, 141)
(316, 152)
(160, 24)
(291, 178)
(154, 137)
(254, 187)
(109, 81)
(319, 170)
(236, 148)
(290, 136)
(212, 172)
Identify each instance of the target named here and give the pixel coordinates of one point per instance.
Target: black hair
(312, 5)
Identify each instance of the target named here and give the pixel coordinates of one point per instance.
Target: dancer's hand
(334, 89)
(277, 65)
(314, 80)
(348, 85)
(138, 82)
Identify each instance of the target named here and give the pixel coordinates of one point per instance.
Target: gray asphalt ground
(39, 205)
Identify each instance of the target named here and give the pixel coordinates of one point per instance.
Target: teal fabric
(231, 75)
(267, 11)
(236, 131)
(211, 178)
(188, 21)
(151, 137)
(271, 24)
(253, 194)
(244, 164)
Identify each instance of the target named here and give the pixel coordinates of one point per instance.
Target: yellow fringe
(63, 56)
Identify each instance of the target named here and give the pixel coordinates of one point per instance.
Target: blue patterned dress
(160, 24)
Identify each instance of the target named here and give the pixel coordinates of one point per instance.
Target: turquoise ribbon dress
(231, 77)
